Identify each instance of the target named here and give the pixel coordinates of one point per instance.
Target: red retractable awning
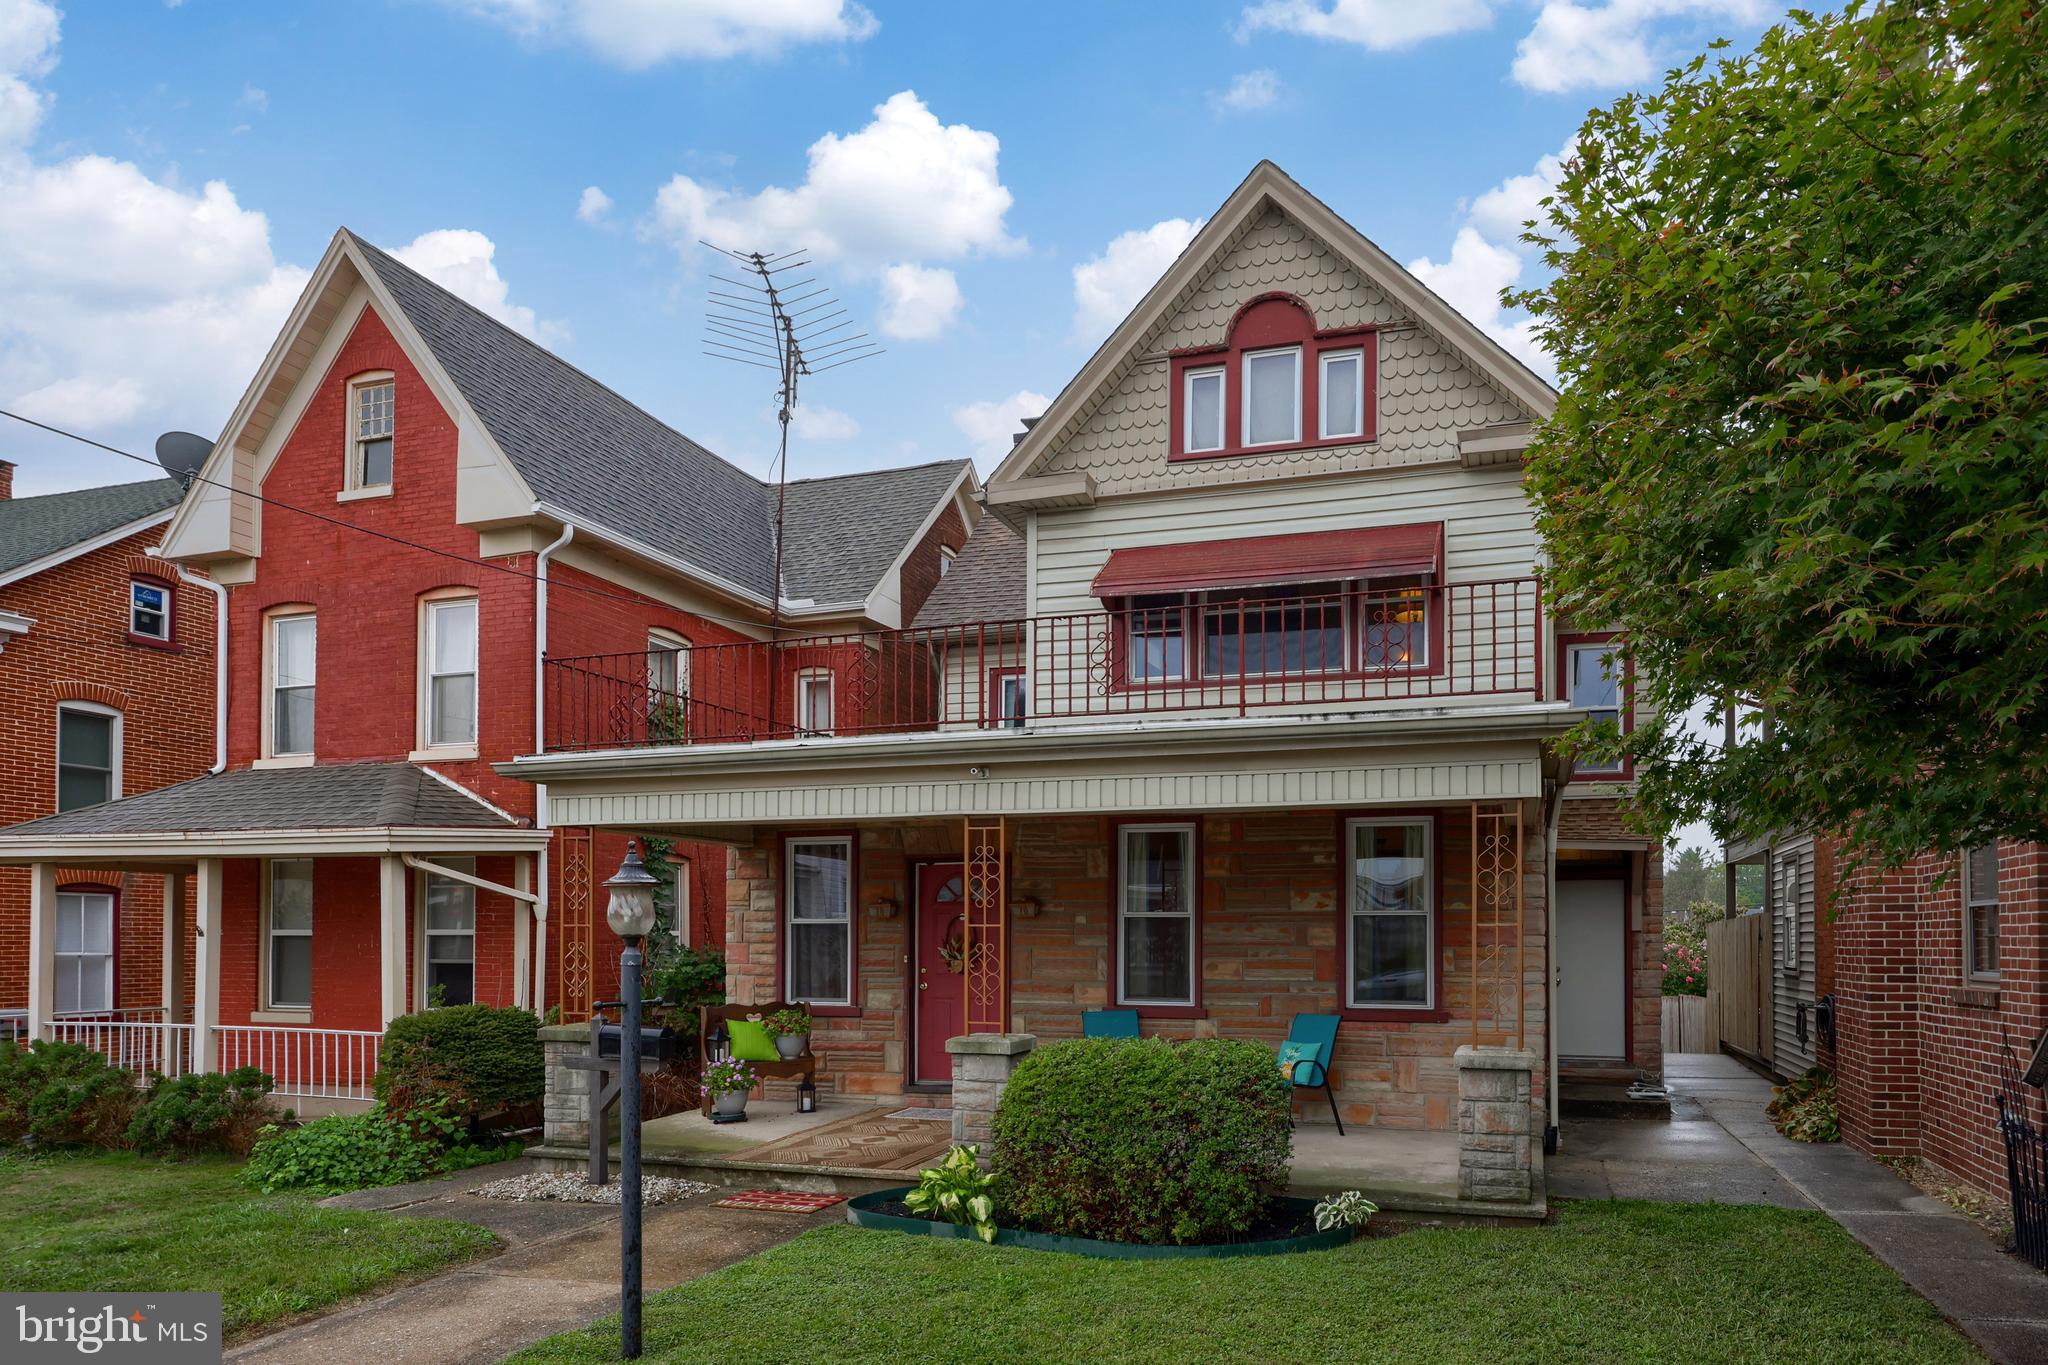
(1269, 561)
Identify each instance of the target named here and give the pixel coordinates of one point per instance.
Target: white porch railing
(139, 1040)
(305, 1063)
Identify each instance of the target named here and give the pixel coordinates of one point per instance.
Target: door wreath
(953, 947)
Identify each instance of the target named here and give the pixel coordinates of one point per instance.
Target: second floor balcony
(1195, 657)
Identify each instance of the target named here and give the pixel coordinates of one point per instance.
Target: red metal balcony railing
(1153, 657)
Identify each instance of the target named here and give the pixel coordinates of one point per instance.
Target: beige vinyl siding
(1793, 983)
(967, 666)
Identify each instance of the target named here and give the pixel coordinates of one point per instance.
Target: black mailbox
(656, 1044)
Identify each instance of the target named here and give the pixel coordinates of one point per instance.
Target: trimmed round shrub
(211, 1113)
(467, 1061)
(61, 1094)
(1142, 1141)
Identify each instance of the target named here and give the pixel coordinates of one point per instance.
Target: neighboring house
(1239, 704)
(1918, 988)
(410, 507)
(106, 689)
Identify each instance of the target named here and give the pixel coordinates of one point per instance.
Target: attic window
(372, 409)
(947, 554)
(1278, 382)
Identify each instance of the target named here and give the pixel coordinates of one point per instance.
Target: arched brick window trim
(1264, 322)
(77, 689)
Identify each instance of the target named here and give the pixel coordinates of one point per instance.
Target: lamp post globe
(630, 912)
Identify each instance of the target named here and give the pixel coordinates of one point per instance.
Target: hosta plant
(1350, 1209)
(959, 1191)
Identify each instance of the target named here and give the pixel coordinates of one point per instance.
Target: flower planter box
(865, 1211)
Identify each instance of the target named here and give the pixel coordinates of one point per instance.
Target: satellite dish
(181, 454)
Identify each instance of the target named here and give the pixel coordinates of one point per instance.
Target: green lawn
(118, 1222)
(1605, 1282)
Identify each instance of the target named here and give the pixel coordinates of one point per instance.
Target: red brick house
(410, 508)
(1238, 705)
(107, 684)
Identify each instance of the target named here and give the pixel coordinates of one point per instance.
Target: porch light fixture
(806, 1096)
(1028, 907)
(631, 909)
(883, 907)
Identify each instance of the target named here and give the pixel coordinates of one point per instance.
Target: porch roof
(320, 808)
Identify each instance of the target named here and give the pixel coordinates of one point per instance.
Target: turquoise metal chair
(1109, 1023)
(1315, 1040)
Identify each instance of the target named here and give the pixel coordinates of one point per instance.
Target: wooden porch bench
(796, 1068)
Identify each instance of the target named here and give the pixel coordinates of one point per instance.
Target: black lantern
(806, 1097)
(718, 1042)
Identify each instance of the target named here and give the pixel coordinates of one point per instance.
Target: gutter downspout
(1551, 816)
(540, 745)
(220, 663)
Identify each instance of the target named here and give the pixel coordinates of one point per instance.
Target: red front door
(938, 988)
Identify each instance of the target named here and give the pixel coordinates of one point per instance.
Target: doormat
(940, 1115)
(779, 1201)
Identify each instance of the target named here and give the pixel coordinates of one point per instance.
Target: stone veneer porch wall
(1270, 943)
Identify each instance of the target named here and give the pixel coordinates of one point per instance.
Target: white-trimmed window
(85, 952)
(1272, 396)
(448, 937)
(88, 754)
(1390, 915)
(1156, 915)
(684, 928)
(1342, 390)
(947, 554)
(668, 687)
(450, 682)
(1592, 681)
(1789, 913)
(1010, 705)
(372, 410)
(1980, 912)
(818, 933)
(288, 928)
(1155, 638)
(294, 650)
(1202, 405)
(149, 609)
(814, 701)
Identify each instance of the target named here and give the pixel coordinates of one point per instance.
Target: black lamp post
(630, 913)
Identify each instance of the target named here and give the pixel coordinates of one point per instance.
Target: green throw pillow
(750, 1041)
(1293, 1056)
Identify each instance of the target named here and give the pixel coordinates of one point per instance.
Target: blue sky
(989, 186)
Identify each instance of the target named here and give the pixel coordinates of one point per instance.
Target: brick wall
(921, 567)
(79, 650)
(1919, 1049)
(1270, 949)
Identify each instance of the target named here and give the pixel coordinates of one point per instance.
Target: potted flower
(791, 1030)
(726, 1084)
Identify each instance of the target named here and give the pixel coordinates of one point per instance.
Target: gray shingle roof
(845, 532)
(329, 796)
(986, 583)
(32, 528)
(585, 449)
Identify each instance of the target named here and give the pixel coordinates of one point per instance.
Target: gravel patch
(574, 1189)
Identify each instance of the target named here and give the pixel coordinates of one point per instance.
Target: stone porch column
(206, 928)
(982, 1066)
(42, 948)
(565, 1108)
(1497, 1156)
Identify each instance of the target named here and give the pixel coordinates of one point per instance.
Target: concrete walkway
(559, 1271)
(1719, 1146)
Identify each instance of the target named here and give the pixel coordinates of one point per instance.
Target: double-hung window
(372, 410)
(1155, 643)
(814, 701)
(1390, 916)
(290, 930)
(449, 927)
(88, 755)
(1284, 631)
(1202, 409)
(1593, 684)
(1010, 708)
(294, 645)
(451, 672)
(818, 937)
(1156, 915)
(1341, 387)
(149, 610)
(1272, 396)
(1394, 625)
(85, 952)
(1980, 912)
(668, 687)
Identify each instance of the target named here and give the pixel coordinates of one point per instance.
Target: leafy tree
(1692, 876)
(1802, 450)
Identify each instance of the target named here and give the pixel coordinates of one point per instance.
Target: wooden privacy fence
(1738, 1009)
(1686, 1025)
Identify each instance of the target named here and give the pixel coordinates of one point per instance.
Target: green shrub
(1804, 1108)
(1145, 1141)
(467, 1061)
(346, 1152)
(691, 977)
(211, 1113)
(61, 1094)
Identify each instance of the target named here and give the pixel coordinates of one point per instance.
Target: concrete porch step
(1608, 1099)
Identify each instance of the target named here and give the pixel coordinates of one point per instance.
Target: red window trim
(992, 699)
(1115, 935)
(113, 932)
(1391, 1014)
(1256, 326)
(169, 643)
(1565, 642)
(853, 919)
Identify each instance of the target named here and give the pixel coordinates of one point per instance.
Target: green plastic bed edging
(863, 1210)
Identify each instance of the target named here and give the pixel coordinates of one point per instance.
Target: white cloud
(918, 302)
(1108, 286)
(255, 97)
(28, 48)
(637, 34)
(593, 205)
(1575, 46)
(1500, 212)
(823, 424)
(1253, 90)
(1380, 25)
(461, 260)
(990, 425)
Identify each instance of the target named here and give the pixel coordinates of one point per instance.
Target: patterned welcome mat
(779, 1201)
(860, 1142)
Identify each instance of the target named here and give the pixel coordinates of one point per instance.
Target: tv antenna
(776, 318)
